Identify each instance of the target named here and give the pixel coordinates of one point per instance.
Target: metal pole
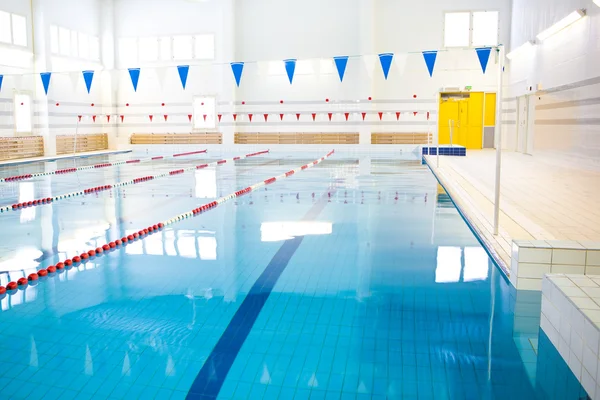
(498, 137)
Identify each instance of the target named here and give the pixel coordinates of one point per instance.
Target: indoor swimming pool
(354, 279)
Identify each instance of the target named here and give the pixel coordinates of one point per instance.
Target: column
(227, 55)
(366, 26)
(109, 83)
(41, 63)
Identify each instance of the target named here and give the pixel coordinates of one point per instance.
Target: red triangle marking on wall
(364, 115)
(190, 117)
(235, 117)
(297, 117)
(122, 118)
(330, 115)
(380, 116)
(314, 116)
(397, 116)
(281, 117)
(108, 118)
(266, 117)
(219, 117)
(166, 116)
(250, 117)
(94, 118)
(151, 117)
(204, 117)
(346, 115)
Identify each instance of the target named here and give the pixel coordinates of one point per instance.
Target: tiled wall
(445, 151)
(531, 260)
(570, 318)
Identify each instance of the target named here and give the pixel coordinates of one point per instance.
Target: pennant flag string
(237, 68)
(88, 77)
(46, 80)
(483, 54)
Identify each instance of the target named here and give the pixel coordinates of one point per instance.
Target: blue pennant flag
(1, 78)
(430, 57)
(183, 74)
(46, 80)
(88, 76)
(134, 74)
(290, 67)
(386, 62)
(237, 68)
(340, 63)
(484, 57)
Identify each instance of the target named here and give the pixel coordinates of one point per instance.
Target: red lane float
(95, 166)
(97, 189)
(99, 251)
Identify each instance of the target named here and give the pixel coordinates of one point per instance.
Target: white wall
(566, 126)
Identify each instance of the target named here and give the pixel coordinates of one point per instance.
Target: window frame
(12, 43)
(471, 12)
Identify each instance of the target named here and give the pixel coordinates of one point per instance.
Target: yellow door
(448, 112)
(475, 121)
(462, 127)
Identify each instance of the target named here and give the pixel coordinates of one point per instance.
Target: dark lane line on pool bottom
(211, 377)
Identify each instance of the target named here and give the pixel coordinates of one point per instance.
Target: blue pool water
(356, 279)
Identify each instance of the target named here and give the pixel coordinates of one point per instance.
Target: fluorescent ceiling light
(562, 24)
(521, 49)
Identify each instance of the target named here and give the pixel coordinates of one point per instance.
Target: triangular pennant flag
(415, 113)
(235, 117)
(290, 68)
(400, 62)
(166, 116)
(115, 78)
(88, 77)
(161, 76)
(46, 80)
(281, 117)
(250, 117)
(297, 117)
(151, 117)
(1, 78)
(262, 67)
(340, 63)
(364, 115)
(346, 115)
(314, 116)
(183, 74)
(427, 115)
(430, 57)
(204, 117)
(108, 119)
(397, 116)
(330, 115)
(219, 116)
(18, 81)
(369, 61)
(122, 118)
(385, 59)
(79, 117)
(190, 117)
(94, 118)
(484, 56)
(134, 74)
(237, 68)
(380, 116)
(266, 117)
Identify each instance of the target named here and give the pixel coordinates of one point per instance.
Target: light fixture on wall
(521, 49)
(562, 24)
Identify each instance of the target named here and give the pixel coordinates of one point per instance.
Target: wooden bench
(177, 138)
(12, 148)
(401, 138)
(68, 144)
(295, 138)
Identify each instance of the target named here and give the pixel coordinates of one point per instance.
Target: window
(5, 32)
(471, 29)
(94, 48)
(182, 47)
(74, 44)
(485, 28)
(22, 107)
(19, 30)
(13, 29)
(165, 49)
(64, 41)
(148, 49)
(205, 109)
(204, 47)
(457, 29)
(53, 39)
(128, 52)
(84, 45)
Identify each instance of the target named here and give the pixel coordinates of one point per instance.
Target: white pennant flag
(400, 60)
(263, 68)
(161, 76)
(18, 82)
(370, 61)
(115, 78)
(74, 79)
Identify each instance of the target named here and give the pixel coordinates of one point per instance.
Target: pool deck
(61, 157)
(540, 199)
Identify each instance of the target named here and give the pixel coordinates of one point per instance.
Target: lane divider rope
(125, 240)
(96, 166)
(48, 200)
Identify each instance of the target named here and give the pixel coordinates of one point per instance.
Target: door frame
(522, 130)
